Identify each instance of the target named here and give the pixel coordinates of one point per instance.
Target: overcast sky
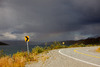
(49, 20)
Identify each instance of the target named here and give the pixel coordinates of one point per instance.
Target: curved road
(71, 57)
(86, 55)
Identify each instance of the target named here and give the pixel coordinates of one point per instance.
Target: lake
(13, 47)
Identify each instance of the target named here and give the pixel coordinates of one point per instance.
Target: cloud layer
(49, 19)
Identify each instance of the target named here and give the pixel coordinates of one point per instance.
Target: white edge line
(79, 59)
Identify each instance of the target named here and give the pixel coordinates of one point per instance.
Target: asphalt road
(86, 55)
(71, 57)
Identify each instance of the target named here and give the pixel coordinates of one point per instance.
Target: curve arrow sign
(26, 38)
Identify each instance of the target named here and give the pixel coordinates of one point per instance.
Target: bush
(74, 45)
(57, 45)
(20, 54)
(2, 53)
(82, 45)
(37, 49)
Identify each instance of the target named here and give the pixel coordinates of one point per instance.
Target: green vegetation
(2, 53)
(19, 59)
(57, 45)
(37, 50)
(78, 45)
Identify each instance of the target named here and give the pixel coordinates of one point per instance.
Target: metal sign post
(27, 40)
(27, 48)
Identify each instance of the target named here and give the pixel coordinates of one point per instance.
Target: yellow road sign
(63, 42)
(26, 38)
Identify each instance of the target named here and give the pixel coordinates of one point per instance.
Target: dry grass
(17, 60)
(98, 49)
(6, 62)
(10, 62)
(44, 57)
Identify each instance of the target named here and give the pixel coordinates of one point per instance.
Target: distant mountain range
(84, 41)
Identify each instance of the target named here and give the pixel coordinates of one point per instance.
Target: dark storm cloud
(49, 17)
(90, 11)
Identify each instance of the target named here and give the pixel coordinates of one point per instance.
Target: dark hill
(84, 41)
(1, 43)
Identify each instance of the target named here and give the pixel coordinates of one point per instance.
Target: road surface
(86, 55)
(71, 57)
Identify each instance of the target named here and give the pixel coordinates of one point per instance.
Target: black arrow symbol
(27, 38)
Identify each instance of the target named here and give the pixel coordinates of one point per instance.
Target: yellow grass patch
(44, 57)
(10, 62)
(98, 49)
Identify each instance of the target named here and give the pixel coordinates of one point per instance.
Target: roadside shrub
(37, 49)
(82, 45)
(57, 45)
(74, 45)
(2, 53)
(52, 46)
(20, 54)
